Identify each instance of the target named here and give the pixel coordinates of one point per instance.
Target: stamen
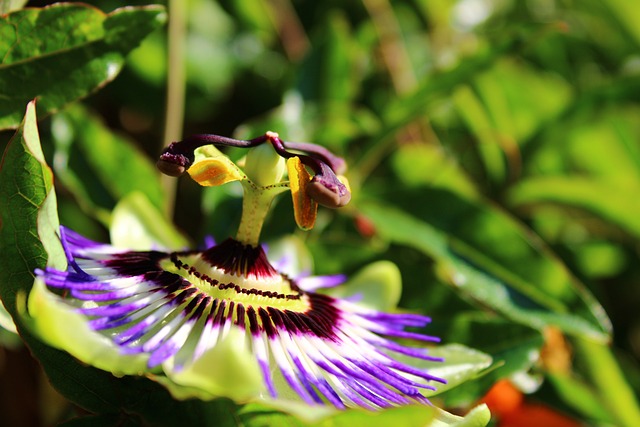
(179, 156)
(337, 164)
(326, 188)
(328, 191)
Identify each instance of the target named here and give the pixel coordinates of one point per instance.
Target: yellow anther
(305, 209)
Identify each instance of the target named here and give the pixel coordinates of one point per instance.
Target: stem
(174, 119)
(255, 206)
(610, 382)
(394, 52)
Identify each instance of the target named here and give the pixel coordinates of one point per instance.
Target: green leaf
(422, 164)
(610, 381)
(477, 417)
(488, 257)
(609, 202)
(138, 225)
(488, 142)
(460, 364)
(628, 15)
(412, 415)
(433, 89)
(377, 286)
(580, 396)
(28, 213)
(501, 116)
(99, 166)
(64, 52)
(513, 347)
(6, 322)
(258, 415)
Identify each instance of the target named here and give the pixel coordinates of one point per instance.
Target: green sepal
(229, 369)
(59, 325)
(377, 286)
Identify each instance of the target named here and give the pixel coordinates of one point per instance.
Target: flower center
(237, 272)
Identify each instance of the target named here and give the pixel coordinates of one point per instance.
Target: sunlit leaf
(28, 213)
(502, 116)
(377, 286)
(254, 415)
(6, 322)
(138, 225)
(515, 114)
(497, 264)
(431, 90)
(422, 164)
(84, 49)
(628, 15)
(606, 374)
(30, 216)
(477, 417)
(461, 364)
(412, 415)
(489, 144)
(407, 415)
(580, 396)
(513, 347)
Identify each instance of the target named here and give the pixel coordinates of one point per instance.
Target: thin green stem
(176, 82)
(610, 382)
(255, 206)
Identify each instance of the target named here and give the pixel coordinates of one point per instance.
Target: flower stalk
(255, 206)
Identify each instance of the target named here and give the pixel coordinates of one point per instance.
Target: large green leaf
(28, 213)
(27, 242)
(491, 259)
(64, 52)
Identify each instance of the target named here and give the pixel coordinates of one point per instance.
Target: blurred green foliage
(493, 146)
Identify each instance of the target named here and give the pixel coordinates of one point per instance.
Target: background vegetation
(493, 148)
